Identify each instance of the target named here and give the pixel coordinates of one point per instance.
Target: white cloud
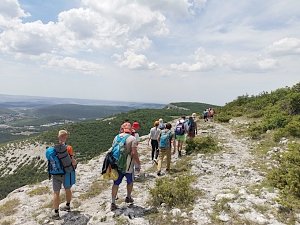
(208, 62)
(140, 18)
(135, 61)
(139, 44)
(203, 62)
(285, 46)
(75, 64)
(11, 9)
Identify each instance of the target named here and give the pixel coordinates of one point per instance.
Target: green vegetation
(202, 144)
(9, 207)
(277, 110)
(27, 174)
(174, 192)
(287, 176)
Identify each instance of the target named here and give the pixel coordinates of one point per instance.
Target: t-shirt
(129, 144)
(154, 133)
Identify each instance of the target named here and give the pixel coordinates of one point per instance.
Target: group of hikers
(122, 160)
(208, 114)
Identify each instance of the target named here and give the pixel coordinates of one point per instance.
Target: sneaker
(155, 161)
(113, 206)
(159, 173)
(55, 216)
(129, 200)
(65, 208)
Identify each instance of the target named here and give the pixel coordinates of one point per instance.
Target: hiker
(131, 158)
(161, 124)
(180, 131)
(211, 113)
(194, 116)
(192, 128)
(153, 137)
(121, 129)
(165, 145)
(205, 115)
(135, 128)
(67, 179)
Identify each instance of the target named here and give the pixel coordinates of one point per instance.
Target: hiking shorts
(66, 180)
(180, 138)
(129, 178)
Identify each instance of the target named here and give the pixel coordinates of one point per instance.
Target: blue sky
(148, 51)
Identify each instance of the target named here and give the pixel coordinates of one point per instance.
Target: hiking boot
(158, 173)
(113, 206)
(65, 208)
(55, 216)
(129, 200)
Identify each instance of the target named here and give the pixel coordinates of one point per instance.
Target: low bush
(174, 192)
(223, 118)
(287, 176)
(205, 144)
(255, 130)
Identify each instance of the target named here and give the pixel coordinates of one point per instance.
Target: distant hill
(8, 101)
(74, 112)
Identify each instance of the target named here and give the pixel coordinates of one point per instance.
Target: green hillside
(89, 139)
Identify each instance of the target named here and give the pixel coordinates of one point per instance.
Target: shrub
(201, 145)
(293, 128)
(275, 121)
(223, 118)
(287, 176)
(255, 130)
(175, 192)
(279, 133)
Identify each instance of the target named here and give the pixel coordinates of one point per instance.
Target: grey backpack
(64, 157)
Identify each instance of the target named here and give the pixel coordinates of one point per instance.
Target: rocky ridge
(229, 181)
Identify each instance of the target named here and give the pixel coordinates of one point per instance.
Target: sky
(157, 51)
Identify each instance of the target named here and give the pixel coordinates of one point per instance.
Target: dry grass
(10, 207)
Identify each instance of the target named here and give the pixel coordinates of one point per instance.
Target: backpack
(179, 129)
(64, 157)
(54, 164)
(120, 153)
(192, 126)
(164, 141)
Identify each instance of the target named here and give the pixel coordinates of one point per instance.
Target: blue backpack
(120, 153)
(164, 141)
(55, 166)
